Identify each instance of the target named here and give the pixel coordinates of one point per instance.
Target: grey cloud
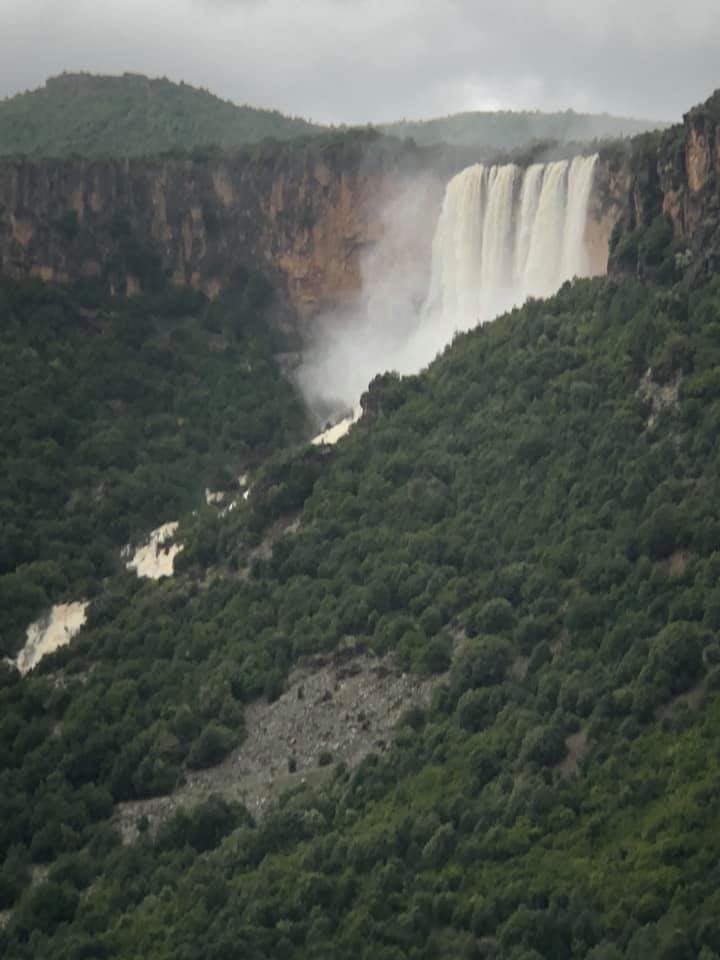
(361, 60)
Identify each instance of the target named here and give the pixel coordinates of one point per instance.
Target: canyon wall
(305, 213)
(675, 175)
(302, 215)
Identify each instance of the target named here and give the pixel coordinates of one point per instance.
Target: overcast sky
(373, 60)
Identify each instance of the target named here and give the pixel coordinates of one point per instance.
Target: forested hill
(115, 415)
(535, 518)
(131, 115)
(509, 129)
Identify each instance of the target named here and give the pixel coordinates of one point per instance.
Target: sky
(358, 61)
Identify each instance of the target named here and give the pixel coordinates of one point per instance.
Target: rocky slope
(337, 708)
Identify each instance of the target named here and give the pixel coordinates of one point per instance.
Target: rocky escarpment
(302, 215)
(608, 202)
(305, 214)
(675, 176)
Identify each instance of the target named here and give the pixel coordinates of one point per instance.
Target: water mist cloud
(382, 327)
(504, 233)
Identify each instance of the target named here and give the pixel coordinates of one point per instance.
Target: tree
(212, 745)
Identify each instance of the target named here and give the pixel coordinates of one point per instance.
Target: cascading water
(505, 234)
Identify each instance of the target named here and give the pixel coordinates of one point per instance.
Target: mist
(383, 327)
(501, 234)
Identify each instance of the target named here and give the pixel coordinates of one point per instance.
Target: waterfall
(505, 234)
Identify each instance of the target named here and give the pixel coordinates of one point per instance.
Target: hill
(528, 530)
(115, 416)
(509, 129)
(536, 514)
(131, 115)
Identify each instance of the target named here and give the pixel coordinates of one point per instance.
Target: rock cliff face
(608, 201)
(301, 215)
(689, 175)
(676, 175)
(304, 214)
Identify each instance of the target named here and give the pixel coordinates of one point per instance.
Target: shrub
(436, 655)
(676, 656)
(495, 616)
(476, 709)
(544, 745)
(211, 746)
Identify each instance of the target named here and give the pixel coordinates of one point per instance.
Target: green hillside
(131, 115)
(534, 512)
(509, 129)
(115, 415)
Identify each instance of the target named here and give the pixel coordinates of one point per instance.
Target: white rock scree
(337, 431)
(50, 633)
(156, 557)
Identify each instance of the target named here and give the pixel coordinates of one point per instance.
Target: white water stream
(506, 234)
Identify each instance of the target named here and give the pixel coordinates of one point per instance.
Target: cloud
(360, 60)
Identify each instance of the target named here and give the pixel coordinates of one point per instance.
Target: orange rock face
(304, 221)
(309, 218)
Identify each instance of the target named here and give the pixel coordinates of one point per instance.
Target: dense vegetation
(510, 129)
(114, 417)
(131, 115)
(524, 507)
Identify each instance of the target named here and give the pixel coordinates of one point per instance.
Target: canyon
(306, 215)
(303, 216)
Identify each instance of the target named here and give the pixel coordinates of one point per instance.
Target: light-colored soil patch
(39, 873)
(676, 564)
(692, 698)
(576, 745)
(519, 668)
(659, 396)
(338, 431)
(50, 633)
(156, 557)
(344, 705)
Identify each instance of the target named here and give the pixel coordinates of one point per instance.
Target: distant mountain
(131, 115)
(507, 129)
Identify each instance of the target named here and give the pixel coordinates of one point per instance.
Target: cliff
(674, 177)
(304, 213)
(301, 214)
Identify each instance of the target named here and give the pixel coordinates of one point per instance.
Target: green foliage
(507, 130)
(543, 745)
(558, 797)
(115, 415)
(211, 746)
(132, 115)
